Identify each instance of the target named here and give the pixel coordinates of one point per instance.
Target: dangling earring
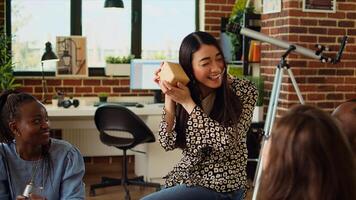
(17, 133)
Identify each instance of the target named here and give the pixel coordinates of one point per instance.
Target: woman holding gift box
(208, 119)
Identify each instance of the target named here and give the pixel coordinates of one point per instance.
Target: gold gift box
(173, 73)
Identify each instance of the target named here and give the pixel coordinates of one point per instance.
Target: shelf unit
(251, 21)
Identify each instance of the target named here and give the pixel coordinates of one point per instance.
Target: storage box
(173, 73)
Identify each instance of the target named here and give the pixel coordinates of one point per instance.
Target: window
(110, 37)
(109, 32)
(33, 23)
(164, 25)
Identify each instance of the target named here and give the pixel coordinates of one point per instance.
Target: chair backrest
(109, 117)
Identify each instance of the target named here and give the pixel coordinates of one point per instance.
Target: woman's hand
(179, 94)
(156, 78)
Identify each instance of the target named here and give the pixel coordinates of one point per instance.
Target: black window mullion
(197, 18)
(8, 17)
(76, 17)
(136, 28)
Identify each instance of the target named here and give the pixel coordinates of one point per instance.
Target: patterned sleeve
(246, 90)
(248, 94)
(166, 139)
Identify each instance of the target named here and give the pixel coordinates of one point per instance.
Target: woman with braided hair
(33, 165)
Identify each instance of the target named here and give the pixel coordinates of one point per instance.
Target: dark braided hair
(10, 102)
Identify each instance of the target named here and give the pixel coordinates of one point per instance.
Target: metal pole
(272, 107)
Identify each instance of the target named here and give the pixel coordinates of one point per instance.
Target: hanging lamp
(113, 4)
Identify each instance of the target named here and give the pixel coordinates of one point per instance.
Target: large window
(108, 31)
(150, 29)
(33, 23)
(164, 24)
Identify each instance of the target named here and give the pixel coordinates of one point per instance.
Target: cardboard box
(173, 73)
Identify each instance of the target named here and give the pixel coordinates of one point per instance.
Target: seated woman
(307, 157)
(33, 164)
(208, 119)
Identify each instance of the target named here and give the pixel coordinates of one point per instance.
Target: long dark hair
(10, 102)
(227, 106)
(309, 158)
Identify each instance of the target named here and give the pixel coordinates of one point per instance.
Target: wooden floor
(117, 192)
(101, 166)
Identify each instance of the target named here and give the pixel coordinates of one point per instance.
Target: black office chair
(109, 117)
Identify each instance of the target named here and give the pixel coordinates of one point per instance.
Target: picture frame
(324, 6)
(72, 54)
(272, 6)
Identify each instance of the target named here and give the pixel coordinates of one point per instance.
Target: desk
(78, 128)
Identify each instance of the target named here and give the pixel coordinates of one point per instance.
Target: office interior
(151, 32)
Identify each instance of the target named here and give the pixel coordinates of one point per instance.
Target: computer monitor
(142, 74)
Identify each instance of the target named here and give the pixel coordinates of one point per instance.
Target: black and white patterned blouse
(215, 156)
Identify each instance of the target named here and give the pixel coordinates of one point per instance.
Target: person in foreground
(208, 119)
(30, 158)
(345, 113)
(307, 157)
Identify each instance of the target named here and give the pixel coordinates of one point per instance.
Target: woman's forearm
(170, 108)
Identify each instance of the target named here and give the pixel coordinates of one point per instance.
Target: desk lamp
(113, 4)
(48, 55)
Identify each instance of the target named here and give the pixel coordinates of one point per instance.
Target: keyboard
(126, 104)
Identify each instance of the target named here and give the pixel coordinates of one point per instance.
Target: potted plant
(103, 97)
(55, 100)
(7, 79)
(118, 65)
(237, 17)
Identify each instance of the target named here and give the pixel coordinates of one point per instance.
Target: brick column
(214, 11)
(323, 85)
(2, 13)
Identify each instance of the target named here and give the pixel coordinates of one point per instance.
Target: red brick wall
(214, 10)
(82, 87)
(324, 85)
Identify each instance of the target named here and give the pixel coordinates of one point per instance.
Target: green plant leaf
(7, 79)
(119, 59)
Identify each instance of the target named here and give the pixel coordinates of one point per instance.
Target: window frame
(76, 29)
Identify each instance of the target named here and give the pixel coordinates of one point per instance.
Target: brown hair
(309, 158)
(227, 106)
(345, 114)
